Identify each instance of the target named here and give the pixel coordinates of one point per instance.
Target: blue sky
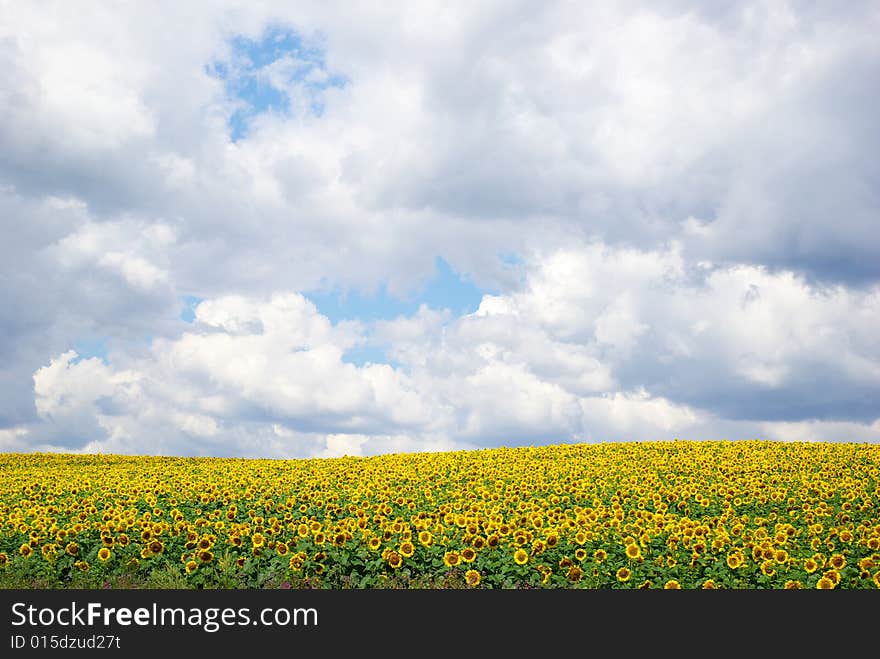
(243, 74)
(444, 290)
(466, 228)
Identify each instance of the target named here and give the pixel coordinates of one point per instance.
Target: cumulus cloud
(542, 364)
(670, 206)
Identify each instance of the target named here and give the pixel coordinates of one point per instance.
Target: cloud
(730, 350)
(669, 209)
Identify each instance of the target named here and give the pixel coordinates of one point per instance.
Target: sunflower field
(676, 514)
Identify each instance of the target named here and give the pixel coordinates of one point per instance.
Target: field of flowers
(678, 514)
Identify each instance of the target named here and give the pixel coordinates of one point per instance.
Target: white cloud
(267, 374)
(690, 190)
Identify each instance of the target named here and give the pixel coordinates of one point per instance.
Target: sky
(314, 229)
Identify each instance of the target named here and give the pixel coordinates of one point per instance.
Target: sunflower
(709, 584)
(472, 577)
(468, 554)
(205, 556)
(104, 554)
(82, 566)
(451, 559)
(520, 557)
(281, 548)
(825, 584)
(575, 573)
(600, 555)
(425, 538)
(394, 559)
(672, 584)
(4, 559)
(258, 540)
(837, 561)
(493, 541)
(156, 547)
(580, 553)
(623, 574)
(633, 552)
(191, 566)
(735, 559)
(780, 556)
(792, 584)
(646, 584)
(72, 549)
(876, 579)
(374, 543)
(833, 575)
(25, 550)
(767, 568)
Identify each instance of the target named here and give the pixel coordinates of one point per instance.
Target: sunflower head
(451, 559)
(825, 584)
